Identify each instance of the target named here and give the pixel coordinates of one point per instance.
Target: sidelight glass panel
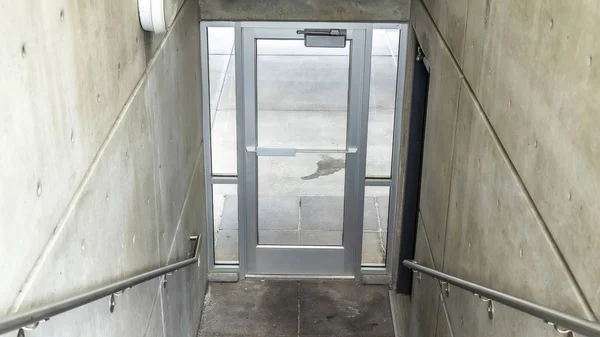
(221, 69)
(382, 102)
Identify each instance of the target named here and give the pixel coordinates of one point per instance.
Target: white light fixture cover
(152, 15)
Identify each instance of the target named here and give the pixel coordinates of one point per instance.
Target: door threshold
(299, 277)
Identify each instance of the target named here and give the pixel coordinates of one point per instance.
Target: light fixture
(152, 15)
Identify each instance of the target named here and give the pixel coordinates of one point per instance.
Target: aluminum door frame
(342, 261)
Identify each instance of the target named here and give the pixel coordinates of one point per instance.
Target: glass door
(304, 125)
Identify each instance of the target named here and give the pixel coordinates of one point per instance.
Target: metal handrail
(561, 321)
(30, 319)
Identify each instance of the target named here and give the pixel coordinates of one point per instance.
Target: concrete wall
(102, 165)
(511, 175)
(305, 10)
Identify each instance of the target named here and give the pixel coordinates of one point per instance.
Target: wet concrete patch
(326, 166)
(344, 309)
(255, 308)
(251, 308)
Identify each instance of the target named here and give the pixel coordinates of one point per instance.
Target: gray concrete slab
(303, 175)
(425, 299)
(324, 129)
(372, 250)
(227, 99)
(322, 213)
(381, 44)
(278, 212)
(490, 218)
(344, 309)
(321, 238)
(443, 324)
(383, 83)
(319, 10)
(451, 19)
(379, 143)
(543, 105)
(174, 102)
(218, 65)
(60, 102)
(371, 215)
(383, 210)
(251, 308)
(314, 83)
(92, 103)
(254, 308)
(229, 215)
(393, 36)
(224, 142)
(443, 98)
(226, 246)
(278, 237)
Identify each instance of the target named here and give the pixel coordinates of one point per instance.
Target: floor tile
(278, 237)
(227, 101)
(381, 45)
(251, 308)
(372, 252)
(229, 217)
(278, 212)
(394, 38)
(226, 247)
(312, 129)
(322, 213)
(383, 83)
(321, 238)
(217, 69)
(379, 143)
(344, 309)
(302, 83)
(383, 204)
(371, 218)
(224, 145)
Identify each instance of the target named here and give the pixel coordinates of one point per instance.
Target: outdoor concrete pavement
(302, 103)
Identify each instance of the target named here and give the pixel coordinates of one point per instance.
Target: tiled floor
(306, 220)
(302, 103)
(296, 308)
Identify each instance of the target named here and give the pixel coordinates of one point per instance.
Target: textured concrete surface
(55, 116)
(521, 214)
(438, 148)
(305, 10)
(289, 308)
(106, 171)
(411, 46)
(425, 299)
(538, 85)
